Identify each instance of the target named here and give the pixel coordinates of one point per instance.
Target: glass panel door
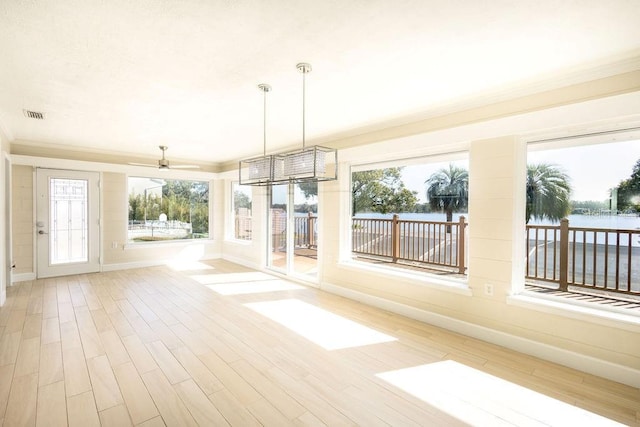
(68, 228)
(278, 225)
(305, 203)
(293, 222)
(67, 222)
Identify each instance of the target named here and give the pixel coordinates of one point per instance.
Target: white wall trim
(131, 265)
(242, 261)
(166, 243)
(6, 257)
(129, 170)
(147, 263)
(611, 317)
(592, 365)
(447, 284)
(22, 277)
(608, 113)
(291, 278)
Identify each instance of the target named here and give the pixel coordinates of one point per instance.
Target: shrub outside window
(167, 209)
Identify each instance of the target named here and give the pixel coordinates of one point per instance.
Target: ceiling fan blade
(163, 163)
(143, 164)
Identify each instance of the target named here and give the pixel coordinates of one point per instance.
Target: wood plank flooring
(155, 346)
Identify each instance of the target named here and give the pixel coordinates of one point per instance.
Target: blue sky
(593, 169)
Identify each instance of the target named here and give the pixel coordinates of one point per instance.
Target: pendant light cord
(264, 88)
(264, 123)
(304, 96)
(304, 68)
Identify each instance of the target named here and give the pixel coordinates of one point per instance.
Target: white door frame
(6, 250)
(44, 268)
(289, 268)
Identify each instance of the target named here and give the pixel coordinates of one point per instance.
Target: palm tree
(548, 192)
(448, 190)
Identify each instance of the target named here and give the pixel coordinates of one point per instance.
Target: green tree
(309, 189)
(448, 190)
(152, 207)
(382, 191)
(180, 200)
(241, 200)
(199, 207)
(629, 191)
(136, 207)
(548, 192)
(582, 206)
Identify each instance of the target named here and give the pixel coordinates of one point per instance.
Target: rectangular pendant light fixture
(309, 164)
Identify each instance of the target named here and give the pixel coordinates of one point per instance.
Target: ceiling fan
(163, 163)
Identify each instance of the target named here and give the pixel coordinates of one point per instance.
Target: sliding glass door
(293, 230)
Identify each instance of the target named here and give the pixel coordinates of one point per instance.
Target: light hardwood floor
(219, 344)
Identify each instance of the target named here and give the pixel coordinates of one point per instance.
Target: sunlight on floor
(240, 288)
(249, 276)
(478, 398)
(322, 327)
(188, 265)
(188, 259)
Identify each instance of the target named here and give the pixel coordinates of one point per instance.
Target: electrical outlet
(488, 289)
(114, 245)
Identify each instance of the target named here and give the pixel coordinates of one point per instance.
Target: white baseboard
(581, 362)
(141, 264)
(242, 261)
(130, 265)
(22, 277)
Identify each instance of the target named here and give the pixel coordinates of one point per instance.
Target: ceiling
(123, 76)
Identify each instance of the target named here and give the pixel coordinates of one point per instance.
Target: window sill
(592, 313)
(430, 280)
(165, 243)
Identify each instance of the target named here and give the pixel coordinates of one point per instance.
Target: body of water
(612, 222)
(587, 221)
(621, 222)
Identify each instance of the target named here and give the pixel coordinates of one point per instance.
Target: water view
(626, 222)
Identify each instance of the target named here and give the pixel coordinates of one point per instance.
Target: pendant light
(309, 164)
(259, 170)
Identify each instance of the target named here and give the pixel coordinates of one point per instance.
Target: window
(582, 215)
(241, 211)
(167, 209)
(410, 214)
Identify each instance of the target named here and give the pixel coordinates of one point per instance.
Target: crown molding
(61, 151)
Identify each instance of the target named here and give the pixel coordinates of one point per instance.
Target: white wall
(5, 256)
(250, 253)
(22, 183)
(116, 253)
(604, 345)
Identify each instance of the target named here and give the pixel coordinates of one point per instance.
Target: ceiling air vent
(33, 114)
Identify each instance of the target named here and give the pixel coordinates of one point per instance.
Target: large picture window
(412, 214)
(583, 217)
(167, 209)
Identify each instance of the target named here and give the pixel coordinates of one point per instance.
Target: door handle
(42, 232)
